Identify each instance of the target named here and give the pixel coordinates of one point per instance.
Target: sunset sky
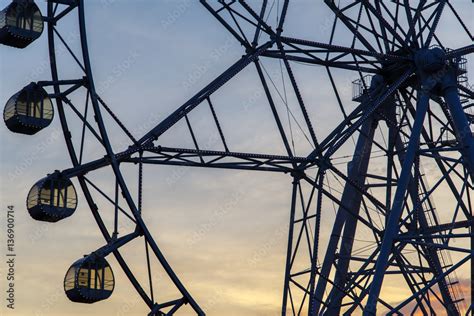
(224, 232)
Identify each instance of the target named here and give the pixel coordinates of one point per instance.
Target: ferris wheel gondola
(412, 102)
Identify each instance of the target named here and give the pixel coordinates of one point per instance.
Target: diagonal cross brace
(202, 95)
(391, 230)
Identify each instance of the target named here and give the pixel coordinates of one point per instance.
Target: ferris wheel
(411, 109)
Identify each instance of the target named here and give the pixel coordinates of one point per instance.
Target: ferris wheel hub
(383, 205)
(430, 60)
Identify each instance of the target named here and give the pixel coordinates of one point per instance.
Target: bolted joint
(324, 164)
(274, 38)
(85, 81)
(139, 230)
(249, 50)
(297, 175)
(114, 236)
(107, 159)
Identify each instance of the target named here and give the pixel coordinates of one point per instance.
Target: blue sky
(223, 232)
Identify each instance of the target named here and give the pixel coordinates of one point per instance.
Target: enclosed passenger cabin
(89, 280)
(21, 23)
(28, 111)
(52, 199)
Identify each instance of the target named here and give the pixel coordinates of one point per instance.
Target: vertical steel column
(459, 119)
(358, 172)
(391, 229)
(351, 196)
(430, 253)
(466, 139)
(286, 286)
(472, 271)
(317, 231)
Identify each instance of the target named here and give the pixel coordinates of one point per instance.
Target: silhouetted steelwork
(413, 109)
